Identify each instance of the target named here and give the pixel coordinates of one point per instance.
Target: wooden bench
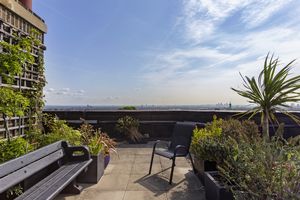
(66, 163)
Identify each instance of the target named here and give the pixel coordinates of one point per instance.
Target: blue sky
(162, 52)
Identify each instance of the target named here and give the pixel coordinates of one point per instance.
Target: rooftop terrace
(126, 178)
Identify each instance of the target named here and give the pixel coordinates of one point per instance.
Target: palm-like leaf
(271, 92)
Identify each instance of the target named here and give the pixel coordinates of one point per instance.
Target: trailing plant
(129, 127)
(11, 103)
(14, 56)
(271, 92)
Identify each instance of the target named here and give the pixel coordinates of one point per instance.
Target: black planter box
(202, 166)
(95, 170)
(213, 189)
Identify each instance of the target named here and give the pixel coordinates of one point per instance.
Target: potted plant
(109, 145)
(129, 126)
(202, 146)
(264, 170)
(93, 140)
(271, 92)
(214, 187)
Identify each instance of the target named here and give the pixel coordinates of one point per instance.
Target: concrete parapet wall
(158, 124)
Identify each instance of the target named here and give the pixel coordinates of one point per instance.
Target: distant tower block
(27, 4)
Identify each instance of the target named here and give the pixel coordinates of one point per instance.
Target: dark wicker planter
(213, 189)
(95, 170)
(202, 166)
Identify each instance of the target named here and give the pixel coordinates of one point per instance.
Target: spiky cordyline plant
(271, 92)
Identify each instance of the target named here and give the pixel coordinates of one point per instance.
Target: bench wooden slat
(25, 172)
(18, 163)
(52, 185)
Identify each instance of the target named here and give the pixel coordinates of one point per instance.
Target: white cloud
(210, 63)
(259, 11)
(201, 18)
(51, 92)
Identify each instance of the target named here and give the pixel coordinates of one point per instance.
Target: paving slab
(147, 195)
(126, 178)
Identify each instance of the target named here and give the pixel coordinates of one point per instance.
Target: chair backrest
(182, 135)
(17, 170)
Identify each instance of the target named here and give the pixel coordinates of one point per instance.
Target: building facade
(18, 19)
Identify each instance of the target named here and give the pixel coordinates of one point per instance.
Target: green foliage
(13, 149)
(129, 126)
(95, 145)
(128, 108)
(59, 130)
(14, 57)
(219, 138)
(272, 91)
(241, 130)
(246, 162)
(14, 192)
(206, 140)
(12, 102)
(264, 170)
(126, 123)
(96, 140)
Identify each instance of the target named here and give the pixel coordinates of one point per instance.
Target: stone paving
(126, 178)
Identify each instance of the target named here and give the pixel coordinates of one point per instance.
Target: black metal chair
(179, 146)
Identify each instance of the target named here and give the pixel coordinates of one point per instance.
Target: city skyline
(162, 52)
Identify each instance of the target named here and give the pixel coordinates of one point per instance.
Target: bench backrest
(182, 135)
(17, 170)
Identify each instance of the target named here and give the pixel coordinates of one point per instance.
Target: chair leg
(172, 170)
(150, 169)
(194, 170)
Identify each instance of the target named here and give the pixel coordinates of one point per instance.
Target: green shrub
(58, 130)
(129, 127)
(13, 149)
(264, 170)
(218, 139)
(206, 141)
(128, 108)
(241, 131)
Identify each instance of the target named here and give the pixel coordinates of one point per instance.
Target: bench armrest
(83, 153)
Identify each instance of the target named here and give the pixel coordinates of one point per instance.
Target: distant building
(17, 18)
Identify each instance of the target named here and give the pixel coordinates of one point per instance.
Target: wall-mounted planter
(95, 170)
(214, 190)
